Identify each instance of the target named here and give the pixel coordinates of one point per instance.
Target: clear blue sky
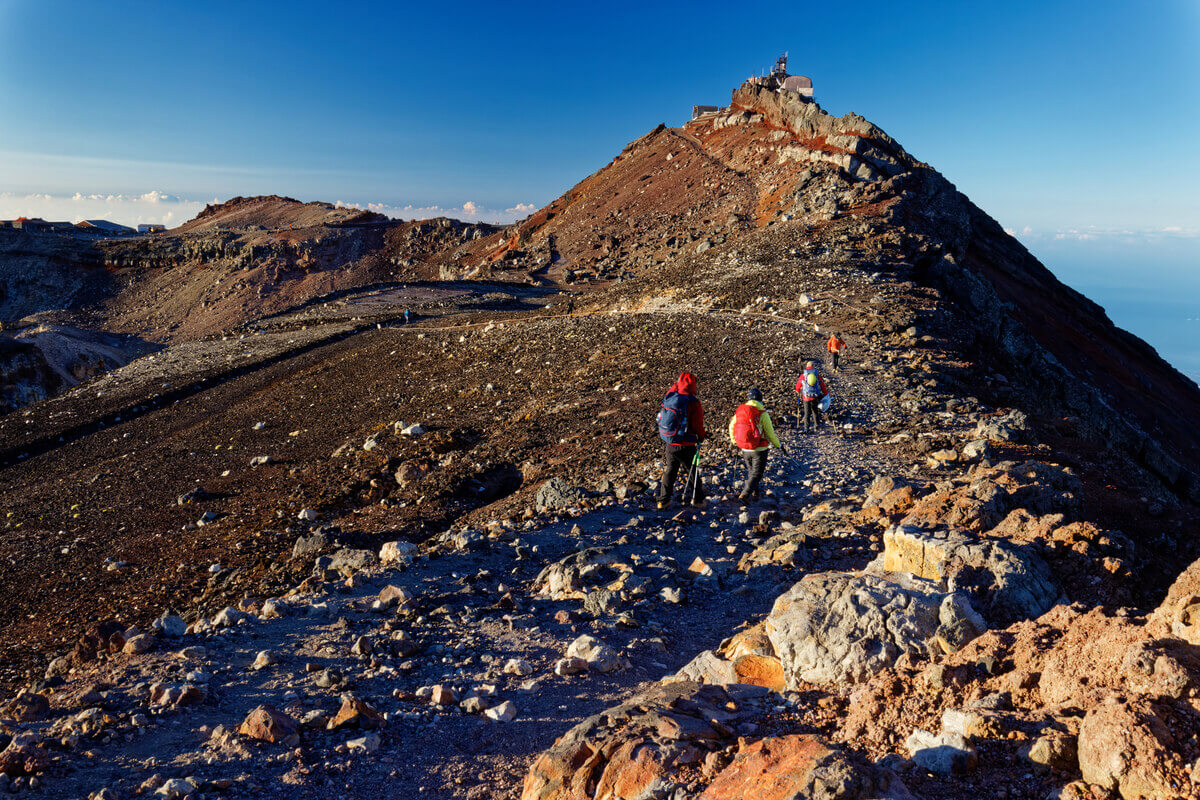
(1048, 114)
(1073, 123)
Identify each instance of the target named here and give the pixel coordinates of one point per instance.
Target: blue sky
(1072, 123)
(1053, 116)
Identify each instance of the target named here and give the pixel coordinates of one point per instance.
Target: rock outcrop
(844, 627)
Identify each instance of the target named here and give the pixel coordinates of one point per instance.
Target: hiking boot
(698, 502)
(743, 499)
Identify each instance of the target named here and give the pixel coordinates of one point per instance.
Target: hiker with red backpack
(811, 389)
(681, 427)
(751, 430)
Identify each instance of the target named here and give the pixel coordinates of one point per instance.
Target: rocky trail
(511, 622)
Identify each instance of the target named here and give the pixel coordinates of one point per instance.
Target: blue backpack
(673, 419)
(810, 392)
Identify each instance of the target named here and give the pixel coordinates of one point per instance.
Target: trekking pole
(687, 482)
(693, 477)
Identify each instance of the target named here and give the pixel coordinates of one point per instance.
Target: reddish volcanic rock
(268, 725)
(1125, 746)
(789, 768)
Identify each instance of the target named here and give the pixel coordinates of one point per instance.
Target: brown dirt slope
(273, 213)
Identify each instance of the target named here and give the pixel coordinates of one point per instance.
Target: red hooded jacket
(687, 385)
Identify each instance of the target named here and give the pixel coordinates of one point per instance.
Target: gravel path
(476, 606)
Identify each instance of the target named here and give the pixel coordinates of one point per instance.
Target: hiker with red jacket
(750, 429)
(681, 427)
(811, 388)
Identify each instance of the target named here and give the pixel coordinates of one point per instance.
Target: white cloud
(167, 209)
(151, 207)
(1098, 233)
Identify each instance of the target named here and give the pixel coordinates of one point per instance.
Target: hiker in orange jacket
(835, 346)
(750, 429)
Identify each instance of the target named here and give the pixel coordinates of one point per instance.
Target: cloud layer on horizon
(172, 210)
(1099, 233)
(151, 207)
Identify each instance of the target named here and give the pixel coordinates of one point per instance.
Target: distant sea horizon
(1149, 286)
(1167, 321)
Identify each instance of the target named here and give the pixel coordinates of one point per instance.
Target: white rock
(943, 754)
(170, 625)
(175, 789)
(396, 551)
(570, 666)
(227, 617)
(264, 659)
(414, 430)
(599, 656)
(274, 608)
(364, 744)
(307, 515)
(139, 644)
(518, 666)
(505, 712)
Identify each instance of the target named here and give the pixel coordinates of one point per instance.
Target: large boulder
(634, 749)
(1006, 582)
(800, 767)
(1126, 747)
(670, 737)
(982, 497)
(1179, 613)
(843, 627)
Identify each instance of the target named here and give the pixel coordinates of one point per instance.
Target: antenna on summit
(780, 70)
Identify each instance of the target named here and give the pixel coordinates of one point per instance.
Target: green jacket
(764, 424)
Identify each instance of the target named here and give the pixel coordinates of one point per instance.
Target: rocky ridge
(365, 556)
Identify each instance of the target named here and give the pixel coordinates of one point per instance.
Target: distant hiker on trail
(751, 430)
(811, 388)
(407, 316)
(835, 346)
(681, 427)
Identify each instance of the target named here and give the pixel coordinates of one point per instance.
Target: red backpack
(746, 433)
